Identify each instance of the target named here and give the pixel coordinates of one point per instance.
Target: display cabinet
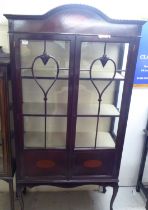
(72, 74)
(7, 164)
(141, 185)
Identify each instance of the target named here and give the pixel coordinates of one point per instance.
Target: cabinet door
(46, 73)
(101, 69)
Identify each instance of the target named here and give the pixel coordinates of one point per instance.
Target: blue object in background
(141, 73)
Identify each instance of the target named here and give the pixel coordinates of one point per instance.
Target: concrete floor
(127, 199)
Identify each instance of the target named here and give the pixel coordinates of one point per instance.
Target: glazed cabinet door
(100, 71)
(45, 72)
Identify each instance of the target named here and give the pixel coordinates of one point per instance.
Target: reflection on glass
(34, 132)
(93, 50)
(33, 97)
(33, 48)
(88, 99)
(102, 78)
(39, 79)
(102, 70)
(86, 131)
(45, 72)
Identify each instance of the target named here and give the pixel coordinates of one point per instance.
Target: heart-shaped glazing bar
(45, 58)
(104, 59)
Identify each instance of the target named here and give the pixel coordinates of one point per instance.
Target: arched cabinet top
(73, 18)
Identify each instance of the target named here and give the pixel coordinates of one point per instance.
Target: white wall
(139, 103)
(134, 137)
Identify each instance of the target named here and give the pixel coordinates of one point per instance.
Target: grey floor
(127, 199)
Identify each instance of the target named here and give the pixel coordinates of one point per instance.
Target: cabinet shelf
(36, 140)
(58, 140)
(38, 108)
(54, 109)
(101, 75)
(87, 139)
(92, 109)
(45, 74)
(63, 75)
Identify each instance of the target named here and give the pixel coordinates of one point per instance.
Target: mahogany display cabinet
(7, 159)
(72, 78)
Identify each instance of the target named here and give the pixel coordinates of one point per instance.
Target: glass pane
(33, 97)
(32, 48)
(94, 50)
(86, 132)
(45, 81)
(45, 73)
(102, 71)
(34, 132)
(101, 82)
(88, 99)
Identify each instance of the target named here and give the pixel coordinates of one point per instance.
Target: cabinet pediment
(73, 18)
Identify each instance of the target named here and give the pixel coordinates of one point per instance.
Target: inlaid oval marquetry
(92, 163)
(45, 164)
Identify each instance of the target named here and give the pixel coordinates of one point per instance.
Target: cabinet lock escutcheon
(104, 36)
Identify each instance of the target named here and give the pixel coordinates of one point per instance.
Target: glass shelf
(64, 74)
(87, 139)
(92, 109)
(39, 132)
(54, 140)
(58, 140)
(45, 73)
(61, 108)
(38, 108)
(101, 75)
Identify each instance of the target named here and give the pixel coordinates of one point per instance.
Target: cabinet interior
(38, 77)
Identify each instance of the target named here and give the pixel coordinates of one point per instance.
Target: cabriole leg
(25, 190)
(104, 189)
(138, 187)
(115, 190)
(11, 194)
(20, 196)
(146, 205)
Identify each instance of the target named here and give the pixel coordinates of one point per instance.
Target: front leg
(146, 205)
(11, 193)
(20, 196)
(104, 189)
(115, 190)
